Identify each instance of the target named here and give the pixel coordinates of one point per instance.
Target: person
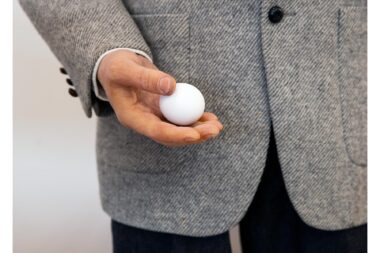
(282, 149)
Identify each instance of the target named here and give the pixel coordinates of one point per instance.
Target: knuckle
(143, 78)
(133, 56)
(141, 60)
(114, 71)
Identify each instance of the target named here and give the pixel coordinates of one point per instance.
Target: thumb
(151, 80)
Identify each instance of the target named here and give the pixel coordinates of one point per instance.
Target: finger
(207, 130)
(201, 140)
(185, 143)
(150, 125)
(148, 79)
(143, 121)
(214, 122)
(208, 116)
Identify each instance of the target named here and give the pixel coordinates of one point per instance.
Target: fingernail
(188, 139)
(211, 135)
(164, 85)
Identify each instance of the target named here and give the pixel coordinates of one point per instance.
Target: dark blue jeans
(271, 225)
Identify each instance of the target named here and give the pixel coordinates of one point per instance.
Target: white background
(56, 203)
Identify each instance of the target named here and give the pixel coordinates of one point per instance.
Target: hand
(133, 86)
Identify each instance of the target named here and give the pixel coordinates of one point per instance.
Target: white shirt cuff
(97, 87)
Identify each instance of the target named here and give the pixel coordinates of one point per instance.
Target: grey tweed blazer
(306, 75)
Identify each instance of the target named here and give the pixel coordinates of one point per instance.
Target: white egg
(185, 106)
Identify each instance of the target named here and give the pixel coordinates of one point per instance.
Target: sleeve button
(69, 82)
(63, 71)
(73, 93)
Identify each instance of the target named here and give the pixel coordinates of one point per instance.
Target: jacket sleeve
(78, 32)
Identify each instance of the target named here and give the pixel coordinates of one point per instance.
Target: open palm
(133, 86)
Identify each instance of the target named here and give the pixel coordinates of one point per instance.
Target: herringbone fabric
(305, 75)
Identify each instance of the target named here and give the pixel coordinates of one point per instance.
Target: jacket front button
(275, 14)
